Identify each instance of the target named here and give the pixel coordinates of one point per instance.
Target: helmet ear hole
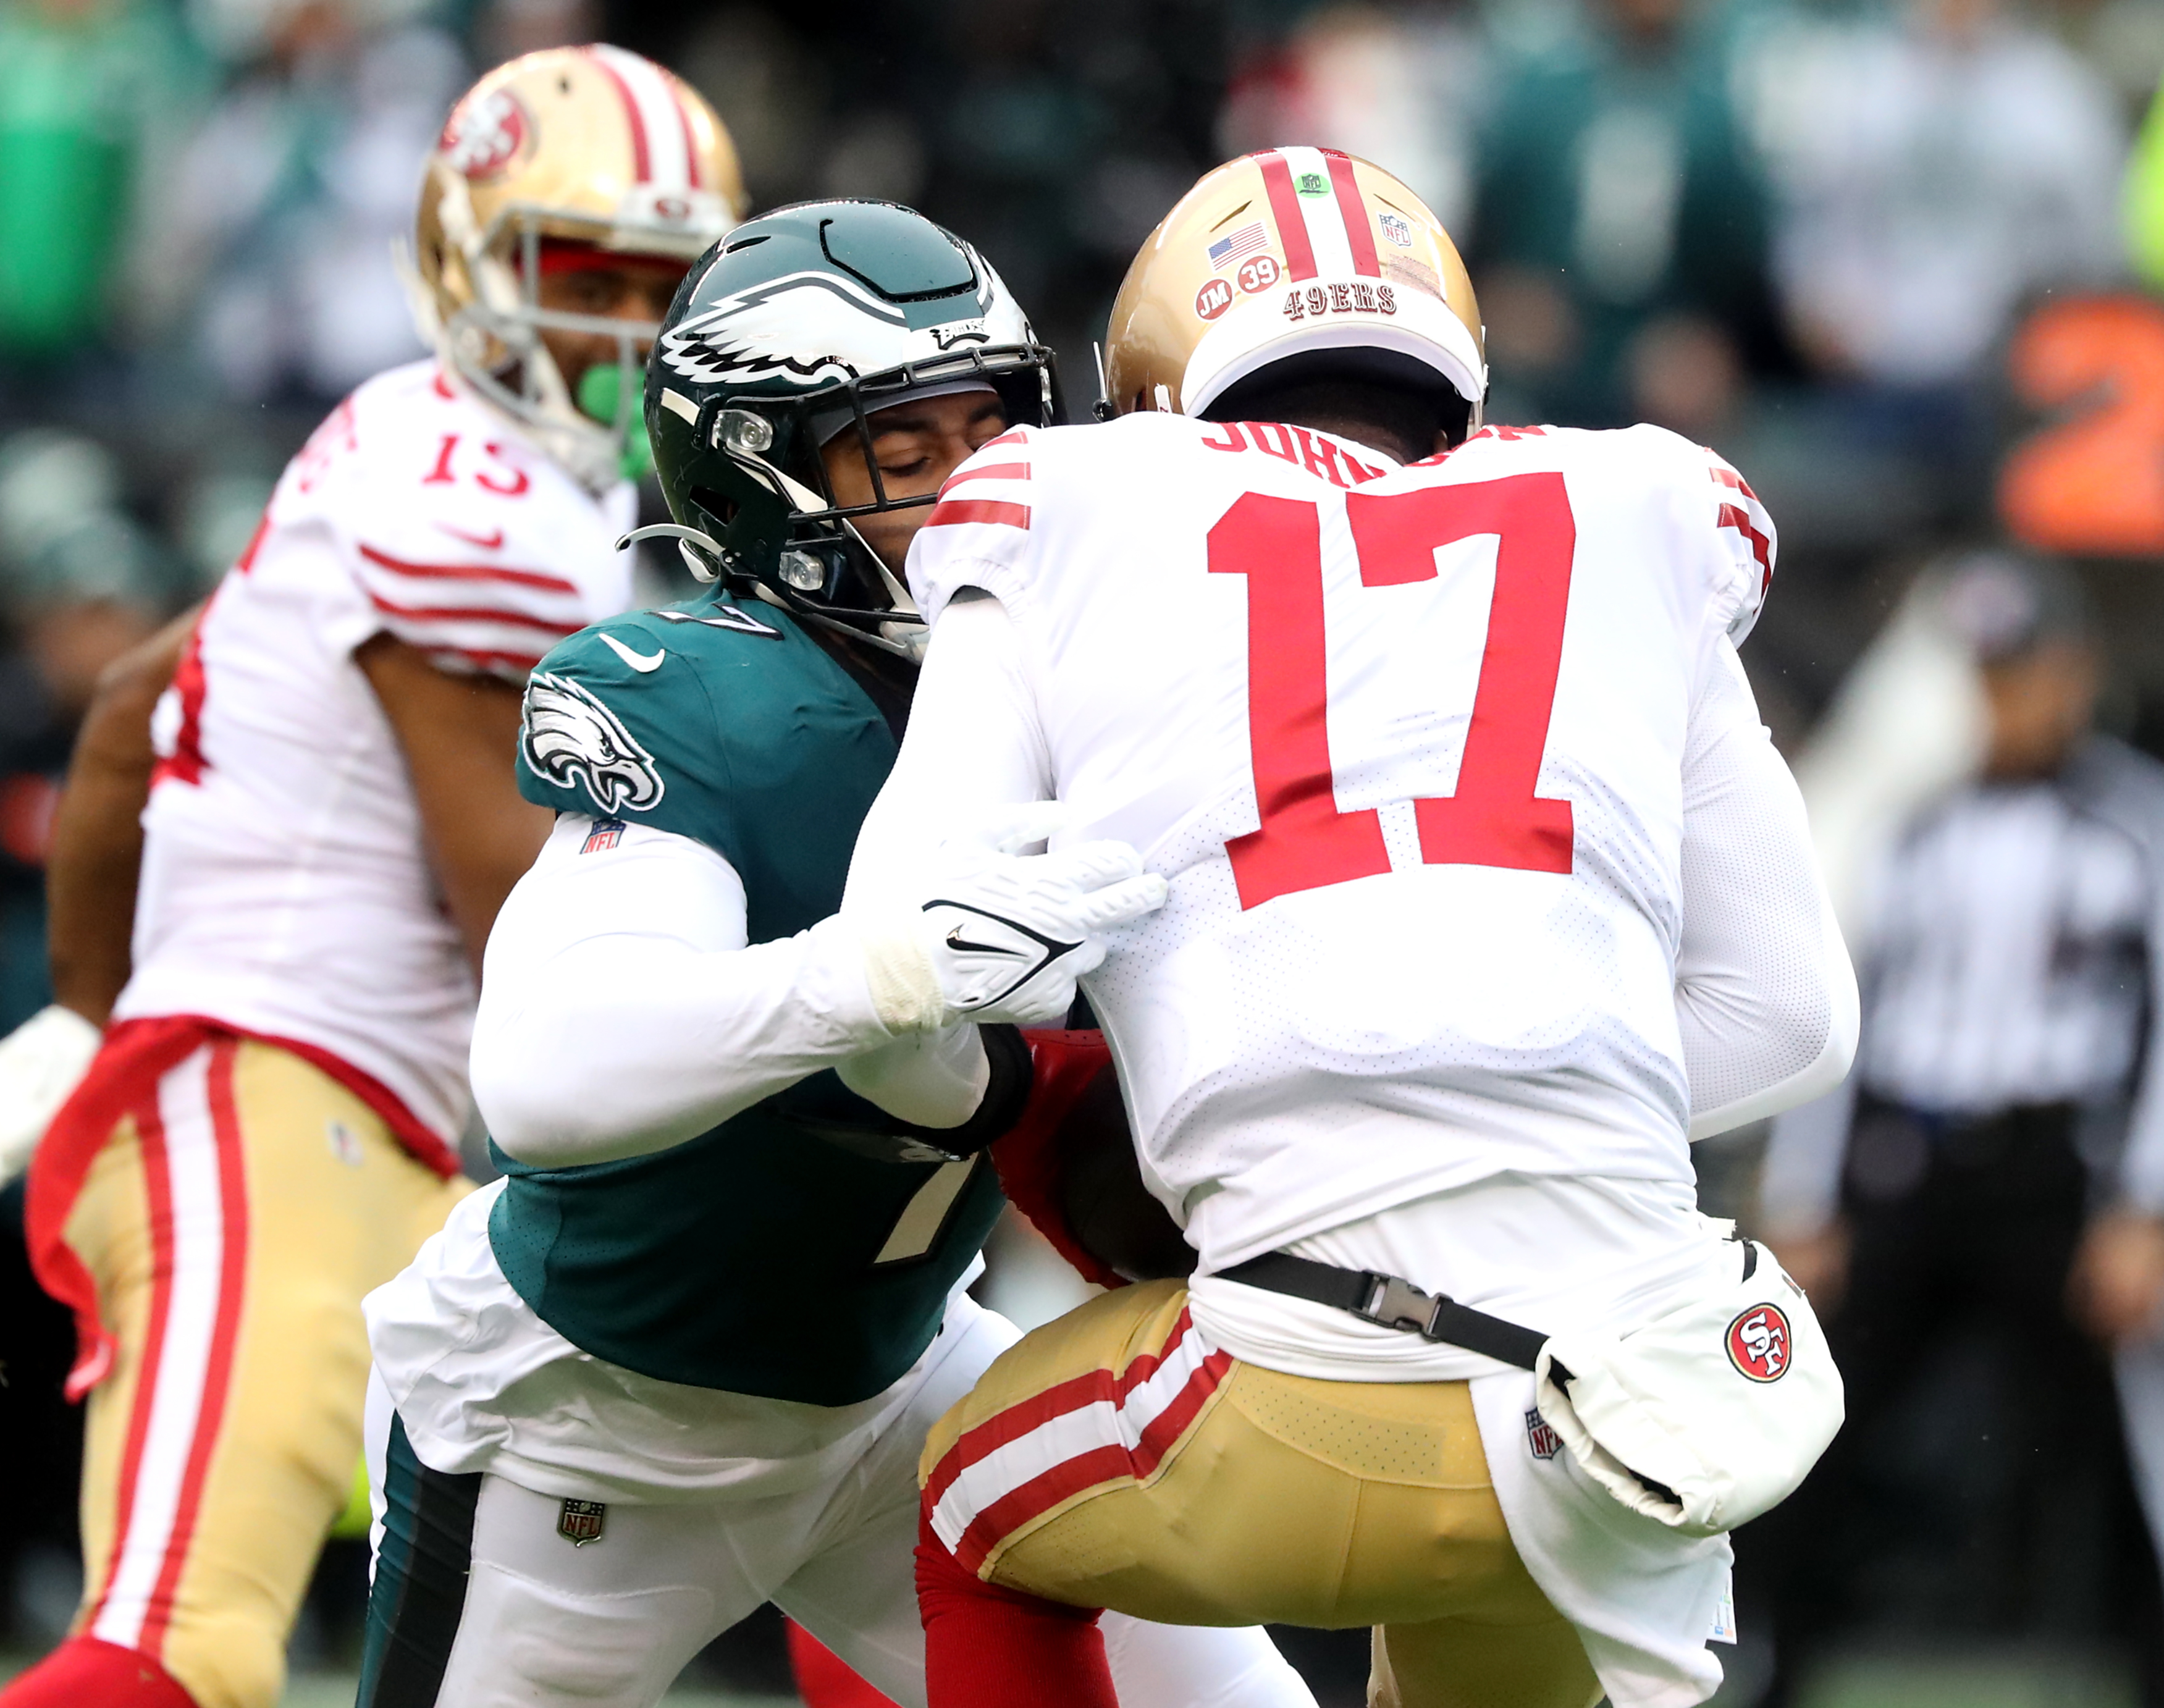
(718, 504)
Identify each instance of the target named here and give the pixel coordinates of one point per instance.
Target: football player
(679, 1361)
(1487, 890)
(269, 1128)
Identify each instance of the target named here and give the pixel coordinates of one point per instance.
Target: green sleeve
(722, 727)
(602, 736)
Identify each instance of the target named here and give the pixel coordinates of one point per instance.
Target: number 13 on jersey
(1494, 818)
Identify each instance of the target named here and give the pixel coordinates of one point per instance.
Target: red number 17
(1495, 819)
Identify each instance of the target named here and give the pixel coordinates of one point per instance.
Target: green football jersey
(805, 1248)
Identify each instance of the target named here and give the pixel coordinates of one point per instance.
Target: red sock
(85, 1673)
(823, 1679)
(985, 1646)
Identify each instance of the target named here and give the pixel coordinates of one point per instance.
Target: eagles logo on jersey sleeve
(569, 739)
(709, 722)
(617, 724)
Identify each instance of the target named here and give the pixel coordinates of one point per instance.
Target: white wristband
(899, 974)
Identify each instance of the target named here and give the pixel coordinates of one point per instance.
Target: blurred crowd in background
(1894, 259)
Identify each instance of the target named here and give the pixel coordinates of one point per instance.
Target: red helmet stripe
(1286, 210)
(642, 164)
(1359, 229)
(692, 174)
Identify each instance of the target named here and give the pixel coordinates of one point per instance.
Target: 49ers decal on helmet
(1287, 253)
(484, 136)
(1758, 1343)
(566, 151)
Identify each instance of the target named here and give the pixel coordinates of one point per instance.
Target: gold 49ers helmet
(1304, 262)
(591, 146)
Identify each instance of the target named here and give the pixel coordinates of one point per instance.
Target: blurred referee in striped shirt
(1979, 1212)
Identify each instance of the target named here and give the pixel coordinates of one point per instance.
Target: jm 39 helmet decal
(800, 325)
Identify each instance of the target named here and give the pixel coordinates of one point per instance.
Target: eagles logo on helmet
(802, 325)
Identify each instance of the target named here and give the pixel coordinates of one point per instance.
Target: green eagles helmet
(796, 326)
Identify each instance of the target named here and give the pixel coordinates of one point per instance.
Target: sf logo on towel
(1758, 1343)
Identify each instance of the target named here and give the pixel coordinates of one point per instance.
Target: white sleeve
(1765, 996)
(974, 744)
(621, 1010)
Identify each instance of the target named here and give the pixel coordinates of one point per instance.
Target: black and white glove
(1002, 936)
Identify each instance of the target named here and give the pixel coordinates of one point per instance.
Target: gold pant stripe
(232, 1223)
(1291, 1500)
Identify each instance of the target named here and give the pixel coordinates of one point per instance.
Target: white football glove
(1003, 936)
(41, 1061)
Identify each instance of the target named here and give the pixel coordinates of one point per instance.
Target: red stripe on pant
(1019, 1419)
(1085, 1471)
(150, 1138)
(217, 1377)
(191, 1437)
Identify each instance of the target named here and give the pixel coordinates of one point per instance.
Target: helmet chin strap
(906, 639)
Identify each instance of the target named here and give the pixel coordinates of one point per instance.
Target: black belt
(1391, 1303)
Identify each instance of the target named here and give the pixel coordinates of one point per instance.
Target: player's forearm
(89, 886)
(1765, 1000)
(973, 745)
(617, 1046)
(1759, 1041)
(97, 851)
(622, 1012)
(457, 734)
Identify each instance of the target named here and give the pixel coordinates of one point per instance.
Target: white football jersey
(1407, 745)
(284, 890)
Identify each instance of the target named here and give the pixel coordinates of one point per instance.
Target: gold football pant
(1114, 1460)
(231, 1224)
